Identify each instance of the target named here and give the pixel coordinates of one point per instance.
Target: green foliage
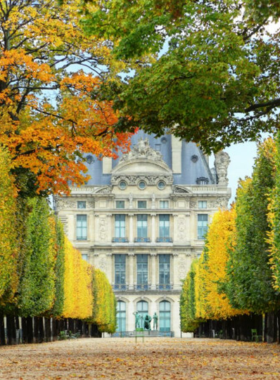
(249, 273)
(104, 303)
(274, 219)
(189, 323)
(58, 236)
(207, 70)
(37, 284)
(8, 233)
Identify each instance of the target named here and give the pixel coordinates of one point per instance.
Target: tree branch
(272, 104)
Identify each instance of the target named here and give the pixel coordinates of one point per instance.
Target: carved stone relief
(180, 190)
(102, 264)
(181, 228)
(220, 202)
(142, 150)
(103, 228)
(182, 265)
(65, 203)
(134, 179)
(104, 190)
(193, 204)
(91, 204)
(62, 203)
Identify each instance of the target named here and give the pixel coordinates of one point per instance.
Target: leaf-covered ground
(156, 358)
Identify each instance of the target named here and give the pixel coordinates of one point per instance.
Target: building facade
(142, 220)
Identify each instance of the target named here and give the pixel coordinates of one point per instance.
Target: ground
(155, 358)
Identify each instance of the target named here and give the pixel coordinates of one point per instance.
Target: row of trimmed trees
(41, 273)
(233, 288)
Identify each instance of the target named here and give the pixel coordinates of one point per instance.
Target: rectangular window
(163, 204)
(85, 256)
(142, 226)
(81, 204)
(120, 264)
(119, 226)
(158, 147)
(142, 204)
(164, 271)
(81, 227)
(202, 204)
(119, 204)
(142, 272)
(163, 226)
(202, 225)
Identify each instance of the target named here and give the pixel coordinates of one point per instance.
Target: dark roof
(194, 164)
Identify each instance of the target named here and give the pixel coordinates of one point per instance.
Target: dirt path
(156, 358)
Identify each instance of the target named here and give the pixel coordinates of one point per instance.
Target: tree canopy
(250, 284)
(212, 75)
(49, 116)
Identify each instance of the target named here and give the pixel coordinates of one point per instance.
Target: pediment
(181, 190)
(139, 167)
(142, 160)
(104, 190)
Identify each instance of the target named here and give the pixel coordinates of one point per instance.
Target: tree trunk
(2, 331)
(270, 321)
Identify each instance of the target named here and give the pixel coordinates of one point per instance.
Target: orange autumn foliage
(49, 111)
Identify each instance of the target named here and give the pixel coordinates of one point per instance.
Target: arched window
(121, 316)
(142, 309)
(164, 316)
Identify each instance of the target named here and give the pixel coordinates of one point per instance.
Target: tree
(189, 323)
(8, 237)
(213, 73)
(78, 297)
(213, 267)
(250, 282)
(37, 281)
(274, 222)
(59, 247)
(48, 112)
(104, 303)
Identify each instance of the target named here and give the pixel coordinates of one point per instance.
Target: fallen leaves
(156, 358)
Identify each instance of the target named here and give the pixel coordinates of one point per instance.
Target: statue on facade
(147, 322)
(137, 320)
(155, 321)
(221, 163)
(142, 150)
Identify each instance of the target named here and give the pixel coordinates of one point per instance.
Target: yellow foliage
(104, 312)
(77, 285)
(211, 272)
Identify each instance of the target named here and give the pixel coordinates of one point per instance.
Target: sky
(241, 163)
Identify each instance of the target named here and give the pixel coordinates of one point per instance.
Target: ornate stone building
(142, 219)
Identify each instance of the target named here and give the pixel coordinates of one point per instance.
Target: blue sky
(241, 165)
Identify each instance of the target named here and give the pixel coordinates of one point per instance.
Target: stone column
(131, 270)
(130, 319)
(153, 271)
(131, 228)
(174, 280)
(153, 228)
(110, 269)
(96, 227)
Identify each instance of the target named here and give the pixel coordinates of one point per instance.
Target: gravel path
(156, 358)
